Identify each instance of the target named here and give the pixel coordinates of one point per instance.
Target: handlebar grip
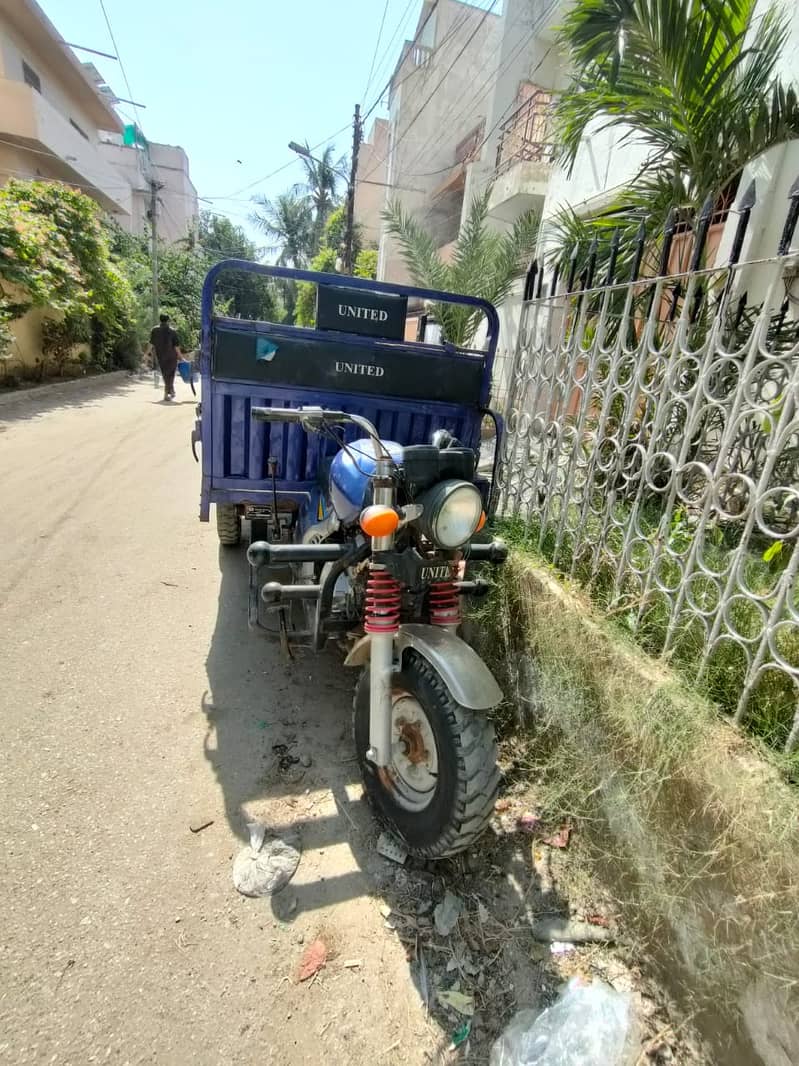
(297, 414)
(275, 414)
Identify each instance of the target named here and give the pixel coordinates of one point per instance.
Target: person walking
(164, 343)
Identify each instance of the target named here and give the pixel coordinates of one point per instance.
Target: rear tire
(462, 779)
(228, 524)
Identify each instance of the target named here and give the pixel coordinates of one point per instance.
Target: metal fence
(652, 453)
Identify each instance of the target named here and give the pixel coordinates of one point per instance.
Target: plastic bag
(589, 1025)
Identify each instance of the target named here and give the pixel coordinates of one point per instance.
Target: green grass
(772, 704)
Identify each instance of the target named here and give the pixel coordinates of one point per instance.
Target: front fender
(461, 669)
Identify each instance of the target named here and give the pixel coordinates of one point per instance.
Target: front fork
(383, 603)
(382, 622)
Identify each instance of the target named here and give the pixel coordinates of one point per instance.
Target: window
(75, 126)
(31, 77)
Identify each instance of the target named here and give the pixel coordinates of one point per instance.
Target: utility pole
(348, 236)
(153, 213)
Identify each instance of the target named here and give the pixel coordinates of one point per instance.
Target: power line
(414, 41)
(280, 169)
(377, 46)
(482, 92)
(119, 59)
(444, 77)
(387, 50)
(500, 120)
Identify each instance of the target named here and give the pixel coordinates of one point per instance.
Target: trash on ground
(598, 919)
(352, 964)
(446, 913)
(550, 929)
(390, 848)
(589, 1023)
(559, 839)
(458, 1001)
(461, 1035)
(313, 959)
(528, 823)
(265, 867)
(560, 947)
(198, 824)
(385, 910)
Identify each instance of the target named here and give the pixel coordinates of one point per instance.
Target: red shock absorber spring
(383, 603)
(445, 604)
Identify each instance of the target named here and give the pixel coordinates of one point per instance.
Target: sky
(234, 82)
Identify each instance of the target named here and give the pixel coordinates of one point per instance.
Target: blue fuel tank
(350, 473)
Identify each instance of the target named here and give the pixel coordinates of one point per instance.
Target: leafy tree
(320, 185)
(305, 309)
(365, 265)
(693, 80)
(485, 263)
(287, 221)
(249, 295)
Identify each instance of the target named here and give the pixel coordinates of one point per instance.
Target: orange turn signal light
(481, 522)
(379, 521)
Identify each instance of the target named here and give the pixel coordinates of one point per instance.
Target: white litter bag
(589, 1025)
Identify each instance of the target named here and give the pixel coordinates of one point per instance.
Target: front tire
(228, 524)
(439, 793)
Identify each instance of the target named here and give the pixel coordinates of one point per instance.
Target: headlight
(452, 513)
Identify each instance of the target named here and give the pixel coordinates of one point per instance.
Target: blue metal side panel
(240, 447)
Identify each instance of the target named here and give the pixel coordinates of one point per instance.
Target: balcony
(524, 158)
(31, 122)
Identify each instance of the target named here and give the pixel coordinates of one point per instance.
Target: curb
(75, 387)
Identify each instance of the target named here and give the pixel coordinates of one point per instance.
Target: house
(437, 119)
(56, 120)
(167, 166)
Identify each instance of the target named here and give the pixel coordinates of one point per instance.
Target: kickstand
(284, 635)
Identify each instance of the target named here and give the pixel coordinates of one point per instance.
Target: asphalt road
(135, 704)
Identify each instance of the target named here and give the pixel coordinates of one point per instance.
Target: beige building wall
(435, 105)
(51, 112)
(370, 194)
(168, 165)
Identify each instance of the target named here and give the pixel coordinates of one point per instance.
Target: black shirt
(164, 340)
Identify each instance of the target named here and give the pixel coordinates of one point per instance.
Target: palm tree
(320, 185)
(288, 223)
(693, 80)
(485, 263)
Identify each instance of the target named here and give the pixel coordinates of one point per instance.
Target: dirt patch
(493, 961)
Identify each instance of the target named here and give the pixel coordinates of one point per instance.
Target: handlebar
(313, 418)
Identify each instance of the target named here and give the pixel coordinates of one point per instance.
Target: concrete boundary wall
(691, 828)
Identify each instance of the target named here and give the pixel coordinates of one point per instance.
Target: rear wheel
(228, 524)
(440, 790)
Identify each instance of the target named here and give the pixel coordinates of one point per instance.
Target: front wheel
(439, 792)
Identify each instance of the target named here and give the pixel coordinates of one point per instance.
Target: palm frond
(484, 263)
(417, 247)
(694, 80)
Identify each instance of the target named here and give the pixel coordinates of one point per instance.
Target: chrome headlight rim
(439, 503)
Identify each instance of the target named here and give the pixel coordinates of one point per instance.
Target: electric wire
(374, 54)
(427, 99)
(482, 92)
(119, 60)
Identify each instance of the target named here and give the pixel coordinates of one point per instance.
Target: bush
(53, 244)
(59, 338)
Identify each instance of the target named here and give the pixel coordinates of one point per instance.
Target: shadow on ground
(260, 706)
(27, 404)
